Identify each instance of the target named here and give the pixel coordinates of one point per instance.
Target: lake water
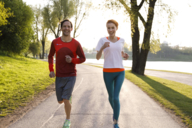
(158, 65)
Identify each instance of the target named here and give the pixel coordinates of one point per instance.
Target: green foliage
(50, 19)
(34, 48)
(21, 79)
(47, 46)
(154, 44)
(41, 29)
(54, 14)
(81, 12)
(85, 49)
(63, 8)
(16, 36)
(175, 53)
(4, 14)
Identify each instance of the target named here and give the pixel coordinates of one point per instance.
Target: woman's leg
(109, 83)
(117, 87)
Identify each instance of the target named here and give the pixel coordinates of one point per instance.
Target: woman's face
(111, 28)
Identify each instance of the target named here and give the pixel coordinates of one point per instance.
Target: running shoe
(116, 126)
(67, 124)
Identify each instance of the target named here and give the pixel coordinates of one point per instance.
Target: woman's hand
(125, 55)
(105, 45)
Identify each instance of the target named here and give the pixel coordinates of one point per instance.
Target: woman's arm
(99, 53)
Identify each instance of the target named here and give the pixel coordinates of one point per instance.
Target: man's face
(66, 28)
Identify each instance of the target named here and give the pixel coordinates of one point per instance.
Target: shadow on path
(178, 100)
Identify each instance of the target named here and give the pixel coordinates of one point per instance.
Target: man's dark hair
(65, 21)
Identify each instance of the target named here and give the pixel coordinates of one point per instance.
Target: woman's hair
(65, 21)
(113, 21)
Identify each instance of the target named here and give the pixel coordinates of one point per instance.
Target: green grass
(20, 79)
(172, 95)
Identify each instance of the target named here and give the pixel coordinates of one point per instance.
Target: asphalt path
(178, 77)
(91, 109)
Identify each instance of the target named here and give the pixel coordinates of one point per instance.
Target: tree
(16, 36)
(43, 39)
(4, 14)
(132, 8)
(34, 48)
(47, 46)
(82, 10)
(40, 29)
(54, 14)
(85, 50)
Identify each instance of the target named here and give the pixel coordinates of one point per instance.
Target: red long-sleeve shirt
(73, 49)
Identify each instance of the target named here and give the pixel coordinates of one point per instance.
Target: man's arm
(50, 60)
(81, 55)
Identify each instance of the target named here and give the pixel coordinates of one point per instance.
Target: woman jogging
(113, 70)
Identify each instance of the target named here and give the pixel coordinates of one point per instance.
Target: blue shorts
(64, 87)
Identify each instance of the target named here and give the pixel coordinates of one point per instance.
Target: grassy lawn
(20, 79)
(172, 95)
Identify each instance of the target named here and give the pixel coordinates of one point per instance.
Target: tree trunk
(58, 31)
(74, 33)
(40, 56)
(26, 54)
(43, 49)
(135, 36)
(143, 60)
(146, 40)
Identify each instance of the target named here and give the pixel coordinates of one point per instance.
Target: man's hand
(106, 44)
(51, 74)
(68, 59)
(125, 55)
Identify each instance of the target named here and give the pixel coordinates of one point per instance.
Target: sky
(94, 26)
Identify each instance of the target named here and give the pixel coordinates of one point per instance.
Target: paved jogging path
(91, 108)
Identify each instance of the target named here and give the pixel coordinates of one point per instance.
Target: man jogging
(67, 49)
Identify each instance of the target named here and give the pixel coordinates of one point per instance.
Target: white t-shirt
(112, 54)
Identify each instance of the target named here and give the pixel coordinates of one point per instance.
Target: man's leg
(64, 89)
(66, 94)
(67, 107)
